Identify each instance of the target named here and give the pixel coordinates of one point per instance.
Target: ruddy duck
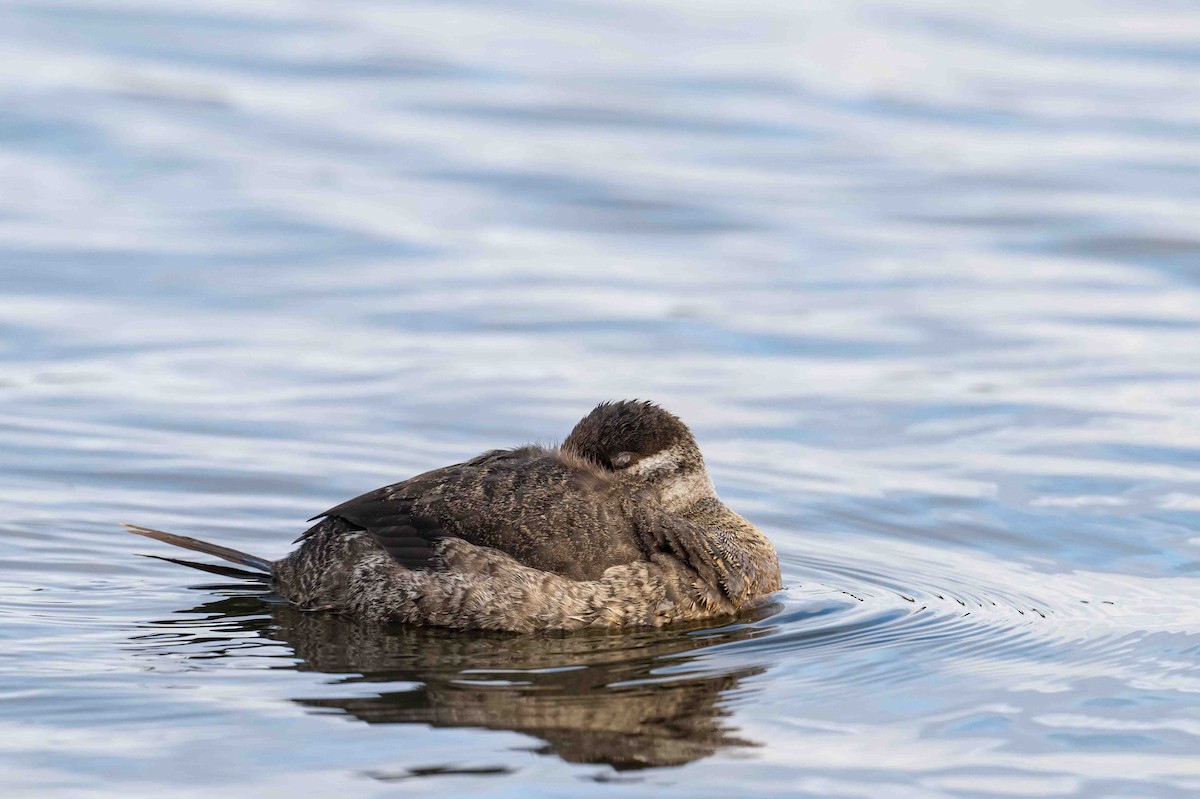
(620, 526)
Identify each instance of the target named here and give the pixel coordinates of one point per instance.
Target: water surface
(924, 279)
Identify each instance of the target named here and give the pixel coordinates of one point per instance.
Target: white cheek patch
(687, 491)
(667, 458)
(681, 492)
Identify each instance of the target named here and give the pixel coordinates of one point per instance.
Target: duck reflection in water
(630, 701)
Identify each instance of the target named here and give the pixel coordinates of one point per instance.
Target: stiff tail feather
(261, 566)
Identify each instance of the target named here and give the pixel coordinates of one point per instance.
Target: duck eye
(621, 460)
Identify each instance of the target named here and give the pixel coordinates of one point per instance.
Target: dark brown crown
(630, 426)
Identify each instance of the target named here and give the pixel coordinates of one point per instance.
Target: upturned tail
(262, 567)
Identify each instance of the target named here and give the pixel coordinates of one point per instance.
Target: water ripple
(921, 278)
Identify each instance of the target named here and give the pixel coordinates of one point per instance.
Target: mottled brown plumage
(618, 527)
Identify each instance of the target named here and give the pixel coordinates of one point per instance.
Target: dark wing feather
(390, 520)
(411, 541)
(383, 502)
(527, 502)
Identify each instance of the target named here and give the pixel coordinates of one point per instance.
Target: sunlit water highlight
(922, 276)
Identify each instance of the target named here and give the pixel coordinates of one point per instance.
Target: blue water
(923, 277)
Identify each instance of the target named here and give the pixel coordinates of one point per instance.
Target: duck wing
(741, 566)
(529, 503)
